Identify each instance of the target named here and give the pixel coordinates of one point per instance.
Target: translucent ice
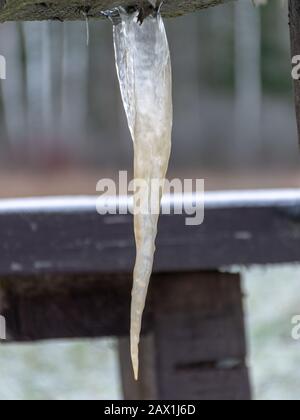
(144, 71)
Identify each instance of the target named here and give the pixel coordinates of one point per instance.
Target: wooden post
(145, 388)
(198, 341)
(294, 12)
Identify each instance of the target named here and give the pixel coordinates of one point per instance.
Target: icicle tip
(135, 358)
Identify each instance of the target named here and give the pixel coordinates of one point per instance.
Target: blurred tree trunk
(74, 86)
(248, 86)
(13, 90)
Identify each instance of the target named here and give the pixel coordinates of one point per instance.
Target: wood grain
(51, 307)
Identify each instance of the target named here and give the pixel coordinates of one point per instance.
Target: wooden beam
(51, 307)
(44, 236)
(294, 12)
(197, 350)
(24, 10)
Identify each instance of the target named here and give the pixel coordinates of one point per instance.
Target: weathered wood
(198, 347)
(48, 307)
(66, 307)
(199, 338)
(294, 11)
(69, 236)
(74, 9)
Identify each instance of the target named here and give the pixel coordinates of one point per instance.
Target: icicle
(144, 71)
(87, 25)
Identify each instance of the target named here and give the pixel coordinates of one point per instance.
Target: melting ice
(144, 71)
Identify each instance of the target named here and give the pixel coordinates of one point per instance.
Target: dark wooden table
(65, 272)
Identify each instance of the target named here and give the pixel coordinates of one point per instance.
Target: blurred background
(62, 128)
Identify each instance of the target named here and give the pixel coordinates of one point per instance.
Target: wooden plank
(294, 12)
(66, 307)
(69, 236)
(81, 306)
(199, 346)
(11, 10)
